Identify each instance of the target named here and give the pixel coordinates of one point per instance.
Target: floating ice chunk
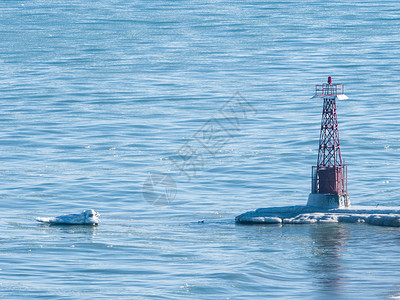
(87, 217)
(383, 216)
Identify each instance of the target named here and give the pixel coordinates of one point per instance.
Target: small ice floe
(383, 216)
(87, 217)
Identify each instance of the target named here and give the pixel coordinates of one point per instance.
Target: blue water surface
(172, 117)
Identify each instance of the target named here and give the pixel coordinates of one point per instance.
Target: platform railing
(326, 89)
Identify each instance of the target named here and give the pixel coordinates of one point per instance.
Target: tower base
(329, 200)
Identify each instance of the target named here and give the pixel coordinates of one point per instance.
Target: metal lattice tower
(329, 144)
(329, 176)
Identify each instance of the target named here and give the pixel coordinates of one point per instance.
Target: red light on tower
(329, 176)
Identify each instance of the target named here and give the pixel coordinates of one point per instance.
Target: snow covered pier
(384, 216)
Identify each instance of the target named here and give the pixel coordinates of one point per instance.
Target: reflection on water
(328, 244)
(70, 229)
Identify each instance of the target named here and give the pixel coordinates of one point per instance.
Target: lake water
(172, 117)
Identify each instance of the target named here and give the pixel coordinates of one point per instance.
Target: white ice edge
(383, 216)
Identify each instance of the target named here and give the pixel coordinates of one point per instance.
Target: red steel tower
(329, 176)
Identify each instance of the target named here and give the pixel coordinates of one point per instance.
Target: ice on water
(384, 216)
(87, 217)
